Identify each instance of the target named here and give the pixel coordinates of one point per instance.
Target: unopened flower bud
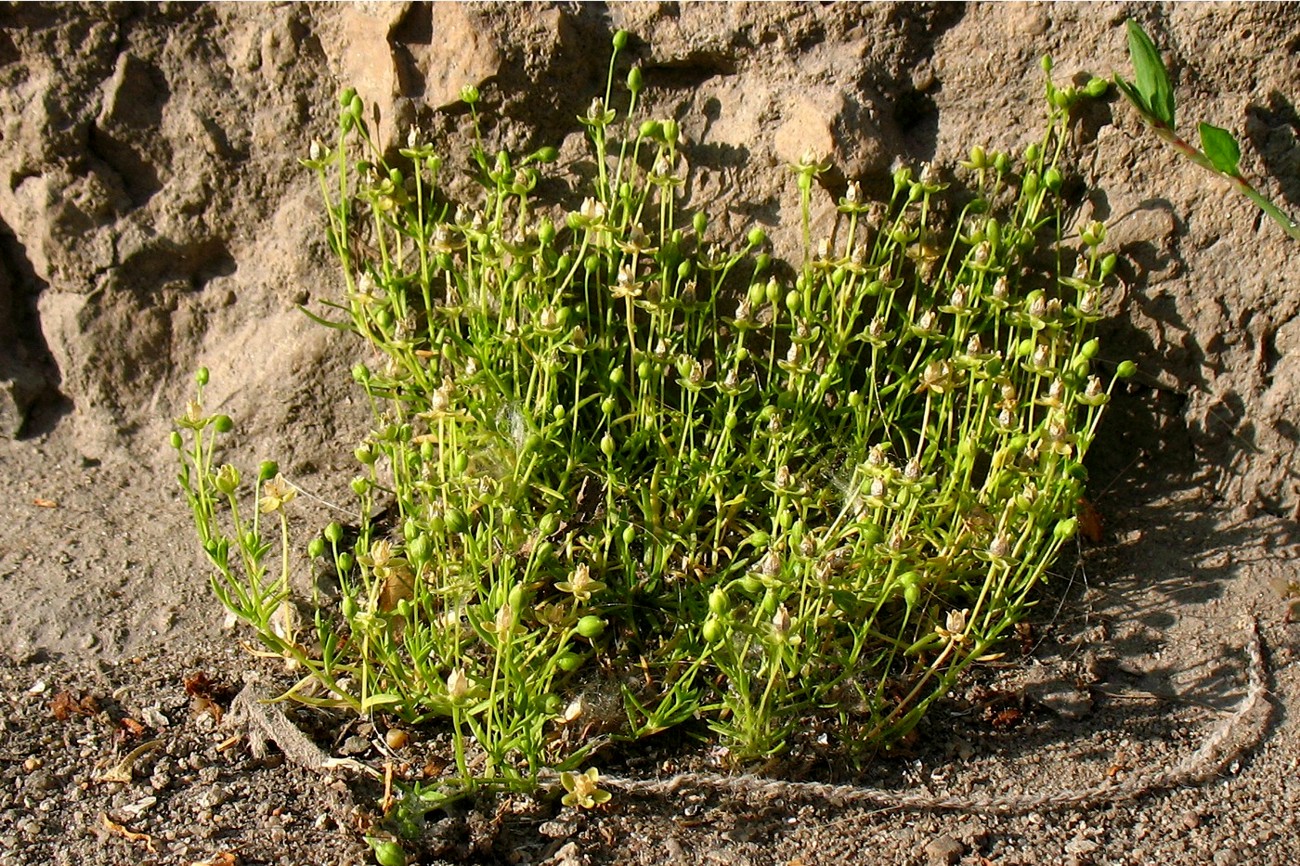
(457, 684)
(781, 621)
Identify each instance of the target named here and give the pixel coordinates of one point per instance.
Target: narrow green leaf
(338, 326)
(1139, 101)
(380, 700)
(1152, 77)
(1221, 147)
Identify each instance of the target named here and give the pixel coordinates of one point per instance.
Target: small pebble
(943, 851)
(1191, 819)
(355, 745)
(396, 738)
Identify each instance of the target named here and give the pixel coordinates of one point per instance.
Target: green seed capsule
(713, 630)
(223, 424)
(455, 520)
(1108, 264)
(911, 583)
(635, 80)
(992, 231)
(316, 548)
(1029, 187)
(388, 853)
(334, 532)
(629, 534)
(548, 524)
(1125, 370)
(700, 223)
(201, 376)
(591, 626)
(176, 440)
(268, 470)
(719, 603)
(568, 662)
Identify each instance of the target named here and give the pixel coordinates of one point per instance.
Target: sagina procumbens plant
(626, 475)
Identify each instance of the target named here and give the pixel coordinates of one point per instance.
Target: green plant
(1153, 96)
(637, 475)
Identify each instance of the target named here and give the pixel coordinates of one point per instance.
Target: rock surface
(154, 216)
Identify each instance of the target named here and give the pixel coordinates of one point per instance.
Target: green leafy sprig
(1153, 96)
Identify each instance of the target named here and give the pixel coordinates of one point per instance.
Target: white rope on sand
(1196, 768)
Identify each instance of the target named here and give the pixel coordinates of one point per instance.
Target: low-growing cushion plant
(626, 474)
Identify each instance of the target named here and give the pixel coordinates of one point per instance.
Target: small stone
(1062, 698)
(1191, 819)
(943, 851)
(355, 745)
(1226, 857)
(41, 781)
(556, 829)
